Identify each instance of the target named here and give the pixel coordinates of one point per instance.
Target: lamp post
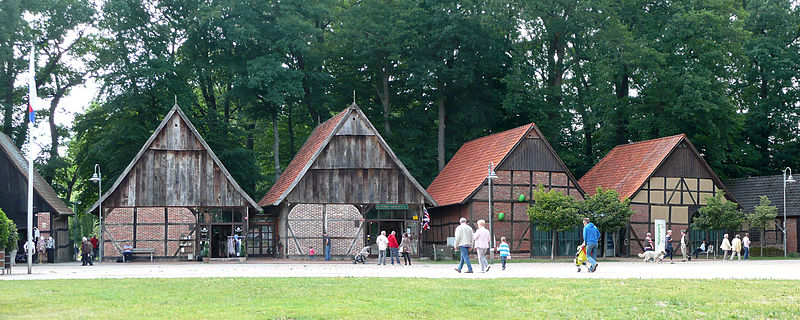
(785, 180)
(97, 177)
(491, 176)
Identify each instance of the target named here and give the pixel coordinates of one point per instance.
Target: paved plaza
(704, 269)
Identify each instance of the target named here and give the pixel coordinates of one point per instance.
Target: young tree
(607, 212)
(762, 215)
(553, 211)
(718, 214)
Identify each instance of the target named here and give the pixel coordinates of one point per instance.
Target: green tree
(763, 215)
(718, 214)
(56, 28)
(607, 211)
(769, 86)
(554, 212)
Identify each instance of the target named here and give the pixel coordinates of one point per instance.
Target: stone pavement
(704, 269)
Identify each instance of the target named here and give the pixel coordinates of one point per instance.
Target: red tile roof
(313, 144)
(627, 167)
(468, 168)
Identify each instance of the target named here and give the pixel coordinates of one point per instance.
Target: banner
(660, 235)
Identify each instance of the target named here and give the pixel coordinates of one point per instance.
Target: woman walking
(725, 246)
(405, 248)
(669, 250)
(736, 248)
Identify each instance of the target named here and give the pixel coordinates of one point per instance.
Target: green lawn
(363, 298)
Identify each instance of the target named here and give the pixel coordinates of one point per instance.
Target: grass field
(372, 298)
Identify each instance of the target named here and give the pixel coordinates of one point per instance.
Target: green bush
(768, 252)
(4, 231)
(13, 236)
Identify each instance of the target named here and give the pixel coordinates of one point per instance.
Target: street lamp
(491, 176)
(97, 178)
(790, 179)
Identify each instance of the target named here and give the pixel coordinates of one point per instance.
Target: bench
(149, 251)
(710, 250)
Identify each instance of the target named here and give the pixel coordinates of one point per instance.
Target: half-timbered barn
(665, 178)
(524, 161)
(748, 192)
(346, 181)
(173, 196)
(50, 212)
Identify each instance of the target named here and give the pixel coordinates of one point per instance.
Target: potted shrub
(206, 252)
(243, 253)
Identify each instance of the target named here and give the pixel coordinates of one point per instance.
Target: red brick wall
(791, 235)
(641, 213)
(43, 223)
(307, 224)
(151, 226)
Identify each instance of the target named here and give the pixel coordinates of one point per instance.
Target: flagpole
(32, 98)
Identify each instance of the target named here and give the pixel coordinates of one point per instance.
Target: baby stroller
(361, 257)
(580, 257)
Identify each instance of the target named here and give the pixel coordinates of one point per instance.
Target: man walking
(590, 237)
(95, 247)
(393, 245)
(50, 247)
(464, 241)
(86, 252)
(482, 244)
(684, 246)
(746, 243)
(382, 243)
(326, 243)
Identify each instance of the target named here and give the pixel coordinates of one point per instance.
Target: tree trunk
(385, 100)
(553, 247)
(301, 64)
(291, 128)
(53, 128)
(605, 252)
(276, 146)
(8, 105)
(440, 138)
(614, 240)
(761, 244)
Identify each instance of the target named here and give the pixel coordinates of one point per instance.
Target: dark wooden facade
(530, 163)
(344, 171)
(173, 196)
(50, 212)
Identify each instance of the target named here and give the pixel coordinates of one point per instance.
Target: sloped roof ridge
(40, 185)
(170, 114)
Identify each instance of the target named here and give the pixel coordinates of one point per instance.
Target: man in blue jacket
(590, 237)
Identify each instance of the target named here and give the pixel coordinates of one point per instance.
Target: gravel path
(769, 269)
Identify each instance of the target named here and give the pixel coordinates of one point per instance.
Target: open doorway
(219, 240)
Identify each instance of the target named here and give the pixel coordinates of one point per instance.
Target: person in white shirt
(481, 237)
(746, 243)
(383, 242)
(685, 246)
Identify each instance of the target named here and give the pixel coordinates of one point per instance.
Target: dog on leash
(652, 256)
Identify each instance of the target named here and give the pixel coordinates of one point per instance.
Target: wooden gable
(355, 166)
(176, 168)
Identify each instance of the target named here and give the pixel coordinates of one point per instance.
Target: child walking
(505, 253)
(311, 253)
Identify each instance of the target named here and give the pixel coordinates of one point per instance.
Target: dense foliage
(553, 211)
(256, 77)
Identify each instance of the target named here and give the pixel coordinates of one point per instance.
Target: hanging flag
(31, 89)
(426, 219)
